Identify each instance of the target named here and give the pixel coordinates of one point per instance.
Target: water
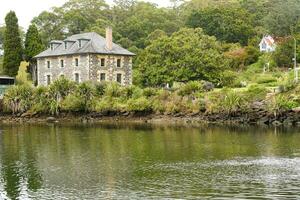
(147, 162)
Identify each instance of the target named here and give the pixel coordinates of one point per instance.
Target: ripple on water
(239, 178)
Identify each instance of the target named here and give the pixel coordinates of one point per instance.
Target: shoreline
(287, 118)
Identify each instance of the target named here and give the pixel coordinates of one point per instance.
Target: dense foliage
(33, 43)
(12, 45)
(229, 24)
(186, 55)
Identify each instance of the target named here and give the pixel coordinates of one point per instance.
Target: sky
(26, 10)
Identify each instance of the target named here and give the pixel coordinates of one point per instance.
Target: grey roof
(96, 44)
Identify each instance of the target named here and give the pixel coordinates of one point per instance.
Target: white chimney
(109, 38)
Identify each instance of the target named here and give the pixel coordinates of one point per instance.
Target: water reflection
(121, 161)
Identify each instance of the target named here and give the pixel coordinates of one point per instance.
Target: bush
(190, 88)
(256, 92)
(228, 78)
(232, 102)
(149, 92)
(141, 104)
(18, 99)
(113, 90)
(100, 88)
(281, 103)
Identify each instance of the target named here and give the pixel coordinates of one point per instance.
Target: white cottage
(267, 44)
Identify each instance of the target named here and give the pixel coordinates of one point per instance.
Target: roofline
(68, 54)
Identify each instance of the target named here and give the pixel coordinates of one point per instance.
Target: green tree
(12, 45)
(2, 31)
(186, 55)
(284, 54)
(33, 43)
(229, 24)
(33, 46)
(282, 17)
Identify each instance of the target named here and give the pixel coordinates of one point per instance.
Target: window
(48, 79)
(119, 78)
(119, 63)
(62, 64)
(102, 77)
(51, 46)
(79, 43)
(76, 77)
(66, 45)
(102, 62)
(62, 76)
(76, 62)
(48, 64)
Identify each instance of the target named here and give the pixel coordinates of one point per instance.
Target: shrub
(113, 90)
(41, 100)
(228, 78)
(85, 92)
(190, 88)
(18, 99)
(132, 92)
(149, 92)
(232, 102)
(100, 88)
(141, 104)
(281, 103)
(255, 92)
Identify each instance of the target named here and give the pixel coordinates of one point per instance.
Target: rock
(51, 120)
(288, 122)
(276, 123)
(208, 86)
(264, 120)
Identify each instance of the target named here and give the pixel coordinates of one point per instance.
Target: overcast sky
(27, 9)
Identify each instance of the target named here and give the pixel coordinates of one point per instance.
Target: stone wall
(110, 69)
(68, 71)
(89, 68)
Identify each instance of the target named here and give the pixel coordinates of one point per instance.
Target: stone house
(85, 57)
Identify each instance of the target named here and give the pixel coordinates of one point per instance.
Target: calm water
(144, 162)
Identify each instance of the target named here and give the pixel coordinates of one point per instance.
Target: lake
(127, 161)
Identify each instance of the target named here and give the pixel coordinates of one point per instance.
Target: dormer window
(66, 45)
(51, 47)
(82, 42)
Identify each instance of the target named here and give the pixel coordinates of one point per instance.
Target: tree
(229, 24)
(12, 45)
(282, 17)
(186, 55)
(33, 43)
(33, 46)
(2, 31)
(284, 54)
